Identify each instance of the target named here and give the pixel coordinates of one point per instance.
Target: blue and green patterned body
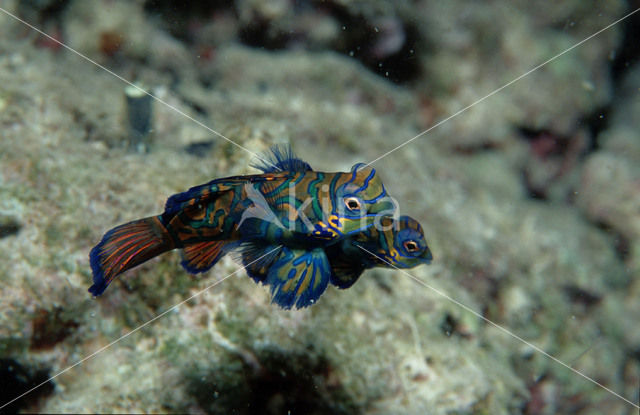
(284, 207)
(289, 207)
(389, 244)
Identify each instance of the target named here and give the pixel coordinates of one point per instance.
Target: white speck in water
(376, 29)
(386, 74)
(351, 53)
(588, 86)
(344, 27)
(601, 116)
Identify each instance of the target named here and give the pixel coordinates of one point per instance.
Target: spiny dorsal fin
(281, 158)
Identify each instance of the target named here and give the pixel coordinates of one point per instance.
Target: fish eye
(352, 203)
(411, 246)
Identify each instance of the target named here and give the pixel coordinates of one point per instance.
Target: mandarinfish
(289, 204)
(390, 243)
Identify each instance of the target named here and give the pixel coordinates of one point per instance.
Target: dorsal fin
(195, 195)
(208, 192)
(281, 158)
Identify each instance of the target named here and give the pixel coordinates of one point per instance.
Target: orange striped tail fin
(126, 246)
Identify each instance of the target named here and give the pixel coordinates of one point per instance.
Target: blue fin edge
(99, 281)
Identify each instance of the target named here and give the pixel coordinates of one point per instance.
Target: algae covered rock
(609, 191)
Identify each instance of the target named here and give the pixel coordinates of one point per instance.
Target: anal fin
(202, 256)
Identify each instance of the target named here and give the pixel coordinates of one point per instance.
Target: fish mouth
(427, 257)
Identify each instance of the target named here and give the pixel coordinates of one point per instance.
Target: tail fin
(126, 246)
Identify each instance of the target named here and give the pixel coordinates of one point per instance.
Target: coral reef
(529, 201)
(609, 191)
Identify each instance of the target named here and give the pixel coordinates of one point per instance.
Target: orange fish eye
(411, 246)
(352, 203)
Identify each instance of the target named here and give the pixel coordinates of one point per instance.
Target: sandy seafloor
(530, 201)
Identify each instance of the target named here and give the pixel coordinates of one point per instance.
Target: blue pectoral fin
(298, 277)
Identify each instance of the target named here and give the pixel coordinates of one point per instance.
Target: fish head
(361, 199)
(410, 244)
(393, 243)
